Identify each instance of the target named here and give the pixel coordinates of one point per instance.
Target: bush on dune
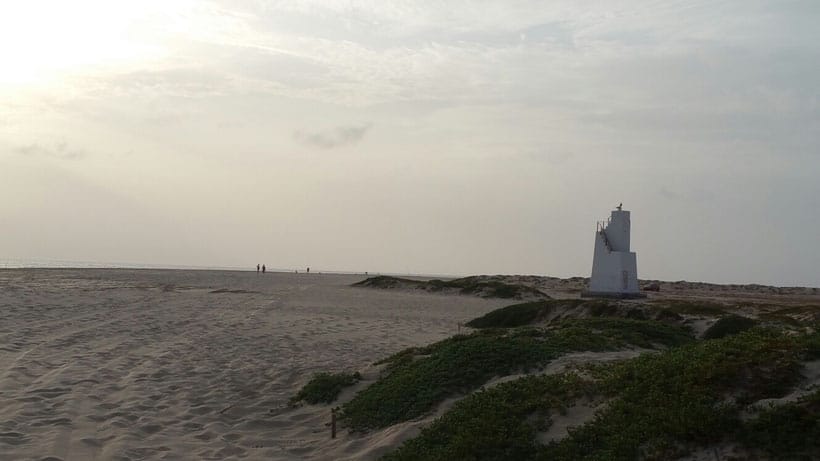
(534, 312)
(660, 403)
(418, 379)
(477, 286)
(659, 406)
(325, 387)
(729, 325)
(787, 432)
(499, 423)
(512, 316)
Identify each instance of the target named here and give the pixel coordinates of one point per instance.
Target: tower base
(611, 295)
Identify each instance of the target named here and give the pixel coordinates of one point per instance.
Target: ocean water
(34, 263)
(14, 263)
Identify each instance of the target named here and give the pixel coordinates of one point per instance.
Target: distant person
(263, 268)
(257, 269)
(308, 270)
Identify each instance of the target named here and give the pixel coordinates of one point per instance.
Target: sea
(33, 263)
(13, 263)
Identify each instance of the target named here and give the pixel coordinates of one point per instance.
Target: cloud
(59, 150)
(330, 139)
(669, 194)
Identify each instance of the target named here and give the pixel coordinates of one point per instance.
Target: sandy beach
(160, 364)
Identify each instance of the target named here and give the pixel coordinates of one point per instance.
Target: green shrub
(492, 288)
(641, 333)
(601, 308)
(512, 316)
(480, 286)
(529, 313)
(703, 308)
(416, 384)
(729, 325)
(387, 281)
(811, 344)
(658, 406)
(661, 403)
(325, 387)
(787, 432)
(418, 379)
(494, 424)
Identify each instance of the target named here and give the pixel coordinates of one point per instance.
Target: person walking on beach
(263, 268)
(257, 269)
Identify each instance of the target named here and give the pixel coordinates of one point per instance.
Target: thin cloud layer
(59, 151)
(505, 129)
(333, 138)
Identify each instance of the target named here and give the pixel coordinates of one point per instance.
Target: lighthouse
(614, 267)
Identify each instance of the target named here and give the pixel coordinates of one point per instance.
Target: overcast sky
(444, 137)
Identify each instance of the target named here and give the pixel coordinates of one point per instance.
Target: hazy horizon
(459, 137)
(81, 265)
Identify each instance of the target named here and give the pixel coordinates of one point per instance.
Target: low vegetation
(794, 316)
(729, 325)
(325, 387)
(416, 380)
(534, 312)
(690, 396)
(662, 405)
(658, 406)
(499, 423)
(787, 432)
(696, 308)
(484, 287)
(514, 316)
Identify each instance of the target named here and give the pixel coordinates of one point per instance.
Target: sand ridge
(154, 364)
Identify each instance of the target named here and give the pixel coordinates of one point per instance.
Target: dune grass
(662, 404)
(658, 406)
(478, 286)
(325, 387)
(729, 325)
(490, 288)
(513, 316)
(499, 423)
(535, 312)
(418, 379)
(522, 314)
(793, 316)
(697, 307)
(787, 432)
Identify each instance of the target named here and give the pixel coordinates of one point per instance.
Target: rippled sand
(152, 364)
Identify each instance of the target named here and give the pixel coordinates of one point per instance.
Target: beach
(128, 364)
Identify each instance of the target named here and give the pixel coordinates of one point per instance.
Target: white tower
(614, 267)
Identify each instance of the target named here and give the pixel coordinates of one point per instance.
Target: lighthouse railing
(606, 240)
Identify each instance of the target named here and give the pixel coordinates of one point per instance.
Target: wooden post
(333, 423)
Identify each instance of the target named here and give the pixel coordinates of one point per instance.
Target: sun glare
(41, 41)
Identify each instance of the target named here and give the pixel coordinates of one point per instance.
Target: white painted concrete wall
(614, 269)
(618, 230)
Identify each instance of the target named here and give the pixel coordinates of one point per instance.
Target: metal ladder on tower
(601, 227)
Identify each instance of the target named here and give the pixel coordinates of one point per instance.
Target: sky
(433, 137)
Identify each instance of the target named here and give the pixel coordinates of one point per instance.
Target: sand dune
(151, 364)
